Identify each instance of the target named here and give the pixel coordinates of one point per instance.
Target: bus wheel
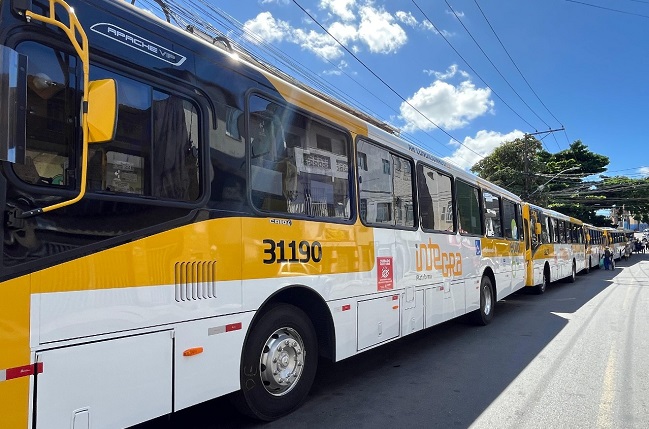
(573, 275)
(278, 365)
(485, 313)
(540, 289)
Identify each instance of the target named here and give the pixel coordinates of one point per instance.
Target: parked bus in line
(617, 240)
(182, 223)
(595, 243)
(556, 250)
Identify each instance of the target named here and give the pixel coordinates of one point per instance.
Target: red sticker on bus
(384, 272)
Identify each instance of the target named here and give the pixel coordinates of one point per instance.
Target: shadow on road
(445, 376)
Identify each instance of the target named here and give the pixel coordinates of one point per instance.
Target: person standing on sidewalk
(607, 257)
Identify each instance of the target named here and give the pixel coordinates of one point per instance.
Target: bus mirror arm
(28, 213)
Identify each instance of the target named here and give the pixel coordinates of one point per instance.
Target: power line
(383, 81)
(469, 65)
(181, 16)
(608, 8)
(517, 68)
(494, 65)
(333, 90)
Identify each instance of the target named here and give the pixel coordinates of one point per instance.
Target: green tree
(523, 167)
(506, 165)
(622, 194)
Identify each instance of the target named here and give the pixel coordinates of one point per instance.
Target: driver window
(51, 115)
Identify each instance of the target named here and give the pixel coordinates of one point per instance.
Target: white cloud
(265, 27)
(374, 28)
(450, 73)
(379, 31)
(344, 33)
(427, 25)
(644, 171)
(339, 70)
(407, 18)
(319, 43)
(446, 105)
(340, 8)
(458, 13)
(483, 143)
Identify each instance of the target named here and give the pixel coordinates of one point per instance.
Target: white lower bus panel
(107, 384)
(378, 320)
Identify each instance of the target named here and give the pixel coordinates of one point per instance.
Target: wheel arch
(309, 301)
(489, 273)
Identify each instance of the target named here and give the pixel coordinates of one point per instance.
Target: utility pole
(526, 159)
(525, 168)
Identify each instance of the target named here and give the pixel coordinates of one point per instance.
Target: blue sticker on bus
(478, 250)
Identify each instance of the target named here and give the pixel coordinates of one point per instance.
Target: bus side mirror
(102, 110)
(537, 229)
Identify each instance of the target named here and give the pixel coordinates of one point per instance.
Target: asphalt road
(575, 357)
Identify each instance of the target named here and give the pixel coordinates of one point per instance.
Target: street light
(540, 188)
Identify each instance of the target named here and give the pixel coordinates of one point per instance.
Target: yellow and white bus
(617, 240)
(181, 224)
(595, 243)
(556, 250)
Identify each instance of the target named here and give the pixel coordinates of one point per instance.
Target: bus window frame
(421, 165)
(352, 168)
(413, 183)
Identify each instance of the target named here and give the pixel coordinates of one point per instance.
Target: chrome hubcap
(282, 361)
(487, 299)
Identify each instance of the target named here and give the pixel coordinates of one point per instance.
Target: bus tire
(485, 313)
(540, 288)
(573, 274)
(278, 364)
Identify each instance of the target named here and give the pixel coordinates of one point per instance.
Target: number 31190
(290, 251)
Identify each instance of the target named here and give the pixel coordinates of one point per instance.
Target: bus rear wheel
(278, 365)
(573, 275)
(485, 313)
(540, 289)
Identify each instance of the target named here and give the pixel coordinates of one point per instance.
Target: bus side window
(435, 199)
(155, 151)
(468, 208)
(299, 165)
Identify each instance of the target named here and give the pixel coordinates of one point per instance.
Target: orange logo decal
(429, 256)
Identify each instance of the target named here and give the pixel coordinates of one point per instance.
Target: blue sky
(578, 65)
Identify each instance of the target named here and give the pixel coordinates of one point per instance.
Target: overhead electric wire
(329, 88)
(494, 65)
(517, 68)
(384, 82)
(469, 65)
(176, 12)
(230, 24)
(608, 8)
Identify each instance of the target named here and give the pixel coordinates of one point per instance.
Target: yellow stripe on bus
(14, 337)
(243, 248)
